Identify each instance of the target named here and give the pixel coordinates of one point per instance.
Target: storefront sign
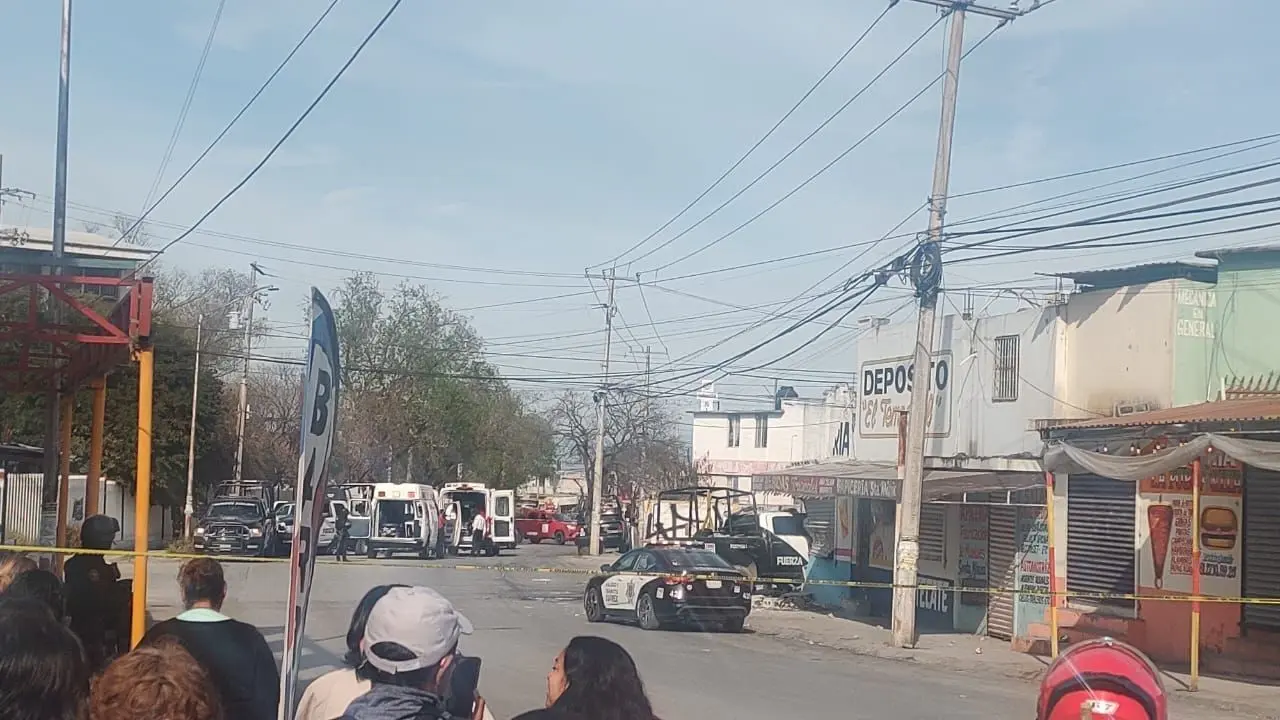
(973, 554)
(1164, 524)
(1032, 573)
(886, 391)
(801, 486)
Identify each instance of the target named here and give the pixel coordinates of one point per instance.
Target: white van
(499, 506)
(403, 517)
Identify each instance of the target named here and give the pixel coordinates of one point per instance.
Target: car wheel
(733, 624)
(593, 605)
(362, 547)
(559, 538)
(371, 553)
(647, 614)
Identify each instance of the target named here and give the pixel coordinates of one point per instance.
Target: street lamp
(189, 509)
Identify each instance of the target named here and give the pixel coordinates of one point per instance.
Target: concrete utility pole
(254, 271)
(189, 509)
(602, 396)
(926, 273)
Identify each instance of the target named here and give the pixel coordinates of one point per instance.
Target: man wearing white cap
(410, 650)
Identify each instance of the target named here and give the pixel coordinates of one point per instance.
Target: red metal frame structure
(37, 354)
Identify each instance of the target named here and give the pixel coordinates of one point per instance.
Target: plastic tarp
(1063, 458)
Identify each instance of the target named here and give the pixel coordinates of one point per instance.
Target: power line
(830, 118)
(818, 83)
(288, 133)
(902, 108)
(186, 106)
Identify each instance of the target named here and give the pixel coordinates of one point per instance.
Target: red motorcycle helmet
(1102, 679)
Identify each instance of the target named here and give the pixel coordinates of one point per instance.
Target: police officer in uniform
(98, 605)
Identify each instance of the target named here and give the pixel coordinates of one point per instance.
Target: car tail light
(675, 580)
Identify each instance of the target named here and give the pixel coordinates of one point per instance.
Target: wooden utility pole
(602, 396)
(926, 274)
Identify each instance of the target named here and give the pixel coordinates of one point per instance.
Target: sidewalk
(976, 655)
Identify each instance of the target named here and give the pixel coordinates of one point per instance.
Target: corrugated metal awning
(1252, 409)
(880, 480)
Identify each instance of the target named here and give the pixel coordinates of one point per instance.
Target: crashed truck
(770, 546)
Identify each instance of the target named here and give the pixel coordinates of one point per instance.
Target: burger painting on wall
(1165, 526)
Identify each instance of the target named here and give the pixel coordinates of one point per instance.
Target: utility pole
(254, 271)
(926, 274)
(189, 510)
(602, 396)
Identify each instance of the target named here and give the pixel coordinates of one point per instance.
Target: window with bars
(933, 533)
(735, 430)
(762, 431)
(1006, 365)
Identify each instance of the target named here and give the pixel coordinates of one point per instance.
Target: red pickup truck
(538, 525)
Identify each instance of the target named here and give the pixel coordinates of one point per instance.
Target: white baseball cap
(418, 619)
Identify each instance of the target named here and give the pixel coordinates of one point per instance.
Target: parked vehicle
(284, 514)
(241, 525)
(762, 544)
(614, 533)
(535, 525)
(657, 587)
(403, 517)
(498, 507)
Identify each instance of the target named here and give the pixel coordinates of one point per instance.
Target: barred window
(735, 430)
(933, 533)
(1006, 380)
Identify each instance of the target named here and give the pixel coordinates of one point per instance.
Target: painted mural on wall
(972, 571)
(1032, 575)
(1164, 525)
(881, 536)
(844, 528)
(933, 603)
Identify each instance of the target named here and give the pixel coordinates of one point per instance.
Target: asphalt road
(523, 620)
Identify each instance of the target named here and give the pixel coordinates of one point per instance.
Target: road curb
(925, 657)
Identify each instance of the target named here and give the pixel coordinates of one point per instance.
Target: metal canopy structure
(70, 313)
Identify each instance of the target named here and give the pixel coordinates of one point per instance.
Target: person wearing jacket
(410, 644)
(236, 656)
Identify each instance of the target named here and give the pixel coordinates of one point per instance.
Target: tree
(419, 399)
(641, 449)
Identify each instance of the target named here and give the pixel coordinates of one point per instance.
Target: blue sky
(546, 137)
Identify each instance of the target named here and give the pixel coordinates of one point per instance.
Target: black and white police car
(659, 586)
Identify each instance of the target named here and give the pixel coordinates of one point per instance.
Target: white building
(729, 446)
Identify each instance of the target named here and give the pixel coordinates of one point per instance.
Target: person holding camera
(411, 659)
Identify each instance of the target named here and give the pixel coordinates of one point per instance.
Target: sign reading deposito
(885, 390)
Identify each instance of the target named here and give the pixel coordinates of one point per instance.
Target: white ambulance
(463, 500)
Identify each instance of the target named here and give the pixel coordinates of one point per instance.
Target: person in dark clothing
(98, 602)
(43, 673)
(234, 653)
(342, 531)
(410, 644)
(596, 677)
(39, 586)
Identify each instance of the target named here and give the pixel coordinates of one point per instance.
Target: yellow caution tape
(786, 582)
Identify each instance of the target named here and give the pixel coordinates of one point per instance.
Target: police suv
(661, 586)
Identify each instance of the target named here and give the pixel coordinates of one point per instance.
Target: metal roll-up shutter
(820, 522)
(1100, 535)
(933, 533)
(1261, 546)
(1002, 553)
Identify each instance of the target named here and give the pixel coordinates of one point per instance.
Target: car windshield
(788, 525)
(695, 559)
(235, 511)
(284, 510)
(565, 518)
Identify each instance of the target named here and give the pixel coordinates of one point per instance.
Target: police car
(660, 586)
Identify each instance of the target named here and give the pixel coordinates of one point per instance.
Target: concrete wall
(1217, 329)
(1119, 348)
(966, 420)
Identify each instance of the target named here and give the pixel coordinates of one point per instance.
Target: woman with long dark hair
(595, 678)
(328, 696)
